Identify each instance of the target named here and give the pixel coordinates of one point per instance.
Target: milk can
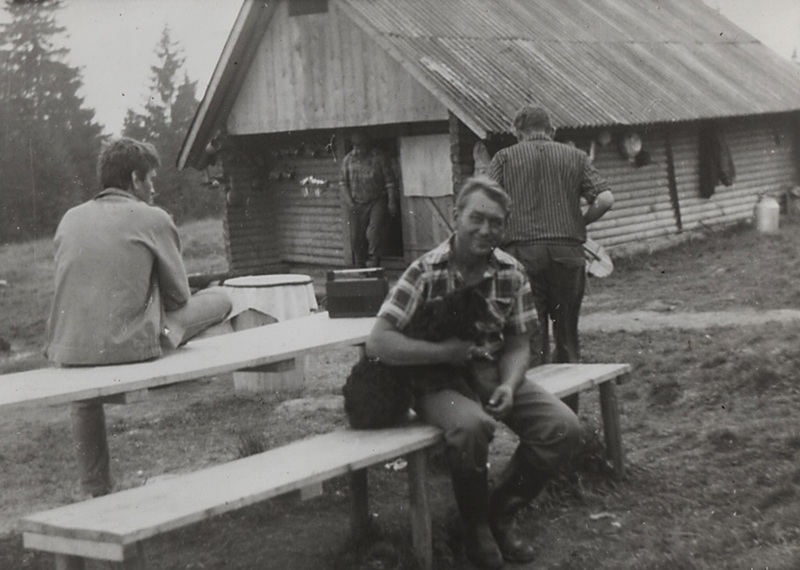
(767, 214)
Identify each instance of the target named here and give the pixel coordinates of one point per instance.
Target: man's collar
(117, 192)
(536, 137)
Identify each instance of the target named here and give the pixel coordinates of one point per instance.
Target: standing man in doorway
(546, 181)
(369, 190)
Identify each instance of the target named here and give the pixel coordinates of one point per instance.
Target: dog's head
(457, 314)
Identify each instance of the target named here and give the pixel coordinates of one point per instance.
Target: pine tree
(165, 121)
(48, 140)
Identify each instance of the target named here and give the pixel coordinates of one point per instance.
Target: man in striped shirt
(548, 430)
(546, 181)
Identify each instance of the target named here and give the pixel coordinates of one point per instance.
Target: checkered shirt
(505, 286)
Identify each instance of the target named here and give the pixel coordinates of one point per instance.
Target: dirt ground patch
(637, 321)
(709, 423)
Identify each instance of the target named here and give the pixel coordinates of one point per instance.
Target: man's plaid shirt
(432, 276)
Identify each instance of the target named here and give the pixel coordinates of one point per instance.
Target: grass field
(710, 428)
(27, 268)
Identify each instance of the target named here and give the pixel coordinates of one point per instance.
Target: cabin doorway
(394, 239)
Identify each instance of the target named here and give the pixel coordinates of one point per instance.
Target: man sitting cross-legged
(121, 290)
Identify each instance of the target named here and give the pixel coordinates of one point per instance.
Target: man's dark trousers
(368, 231)
(558, 282)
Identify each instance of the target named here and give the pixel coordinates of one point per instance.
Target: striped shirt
(546, 181)
(367, 176)
(505, 286)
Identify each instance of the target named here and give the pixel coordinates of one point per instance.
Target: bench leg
(359, 501)
(134, 558)
(67, 562)
(420, 509)
(611, 427)
(91, 446)
(284, 376)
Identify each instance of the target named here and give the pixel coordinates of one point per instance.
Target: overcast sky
(775, 23)
(114, 41)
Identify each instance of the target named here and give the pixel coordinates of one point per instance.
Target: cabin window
(304, 7)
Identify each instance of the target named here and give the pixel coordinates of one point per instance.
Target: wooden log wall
(642, 206)
(462, 141)
(253, 247)
(763, 152)
(655, 202)
(310, 227)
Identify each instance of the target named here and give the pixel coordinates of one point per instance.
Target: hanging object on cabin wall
(630, 145)
(481, 158)
(213, 173)
(716, 161)
(642, 159)
(283, 172)
(313, 185)
(330, 148)
(604, 138)
(235, 196)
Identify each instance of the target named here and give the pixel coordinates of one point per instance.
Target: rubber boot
(516, 487)
(472, 498)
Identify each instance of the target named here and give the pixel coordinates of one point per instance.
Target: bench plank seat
(566, 379)
(197, 359)
(121, 519)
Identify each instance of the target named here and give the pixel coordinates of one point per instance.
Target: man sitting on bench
(549, 431)
(121, 290)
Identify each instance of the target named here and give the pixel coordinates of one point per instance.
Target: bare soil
(710, 428)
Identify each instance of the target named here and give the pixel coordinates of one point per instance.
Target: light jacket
(118, 266)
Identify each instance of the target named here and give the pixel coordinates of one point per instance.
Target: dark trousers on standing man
(558, 282)
(368, 231)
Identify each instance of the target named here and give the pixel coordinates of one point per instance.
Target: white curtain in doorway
(425, 165)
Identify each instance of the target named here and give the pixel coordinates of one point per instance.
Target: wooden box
(355, 292)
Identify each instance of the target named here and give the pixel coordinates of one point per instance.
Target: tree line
(50, 139)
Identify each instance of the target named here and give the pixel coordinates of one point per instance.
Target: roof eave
(223, 88)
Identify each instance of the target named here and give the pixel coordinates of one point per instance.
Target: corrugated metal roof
(590, 63)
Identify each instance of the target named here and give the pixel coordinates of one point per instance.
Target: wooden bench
(113, 527)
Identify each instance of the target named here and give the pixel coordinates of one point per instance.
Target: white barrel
(767, 215)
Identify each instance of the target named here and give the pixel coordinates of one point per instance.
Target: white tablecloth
(284, 296)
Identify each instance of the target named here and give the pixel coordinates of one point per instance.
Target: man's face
(360, 144)
(480, 225)
(143, 188)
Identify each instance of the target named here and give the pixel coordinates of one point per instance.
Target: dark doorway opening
(394, 243)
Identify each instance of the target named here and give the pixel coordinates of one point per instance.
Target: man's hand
(501, 402)
(392, 207)
(457, 351)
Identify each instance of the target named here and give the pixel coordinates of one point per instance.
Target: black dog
(379, 395)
